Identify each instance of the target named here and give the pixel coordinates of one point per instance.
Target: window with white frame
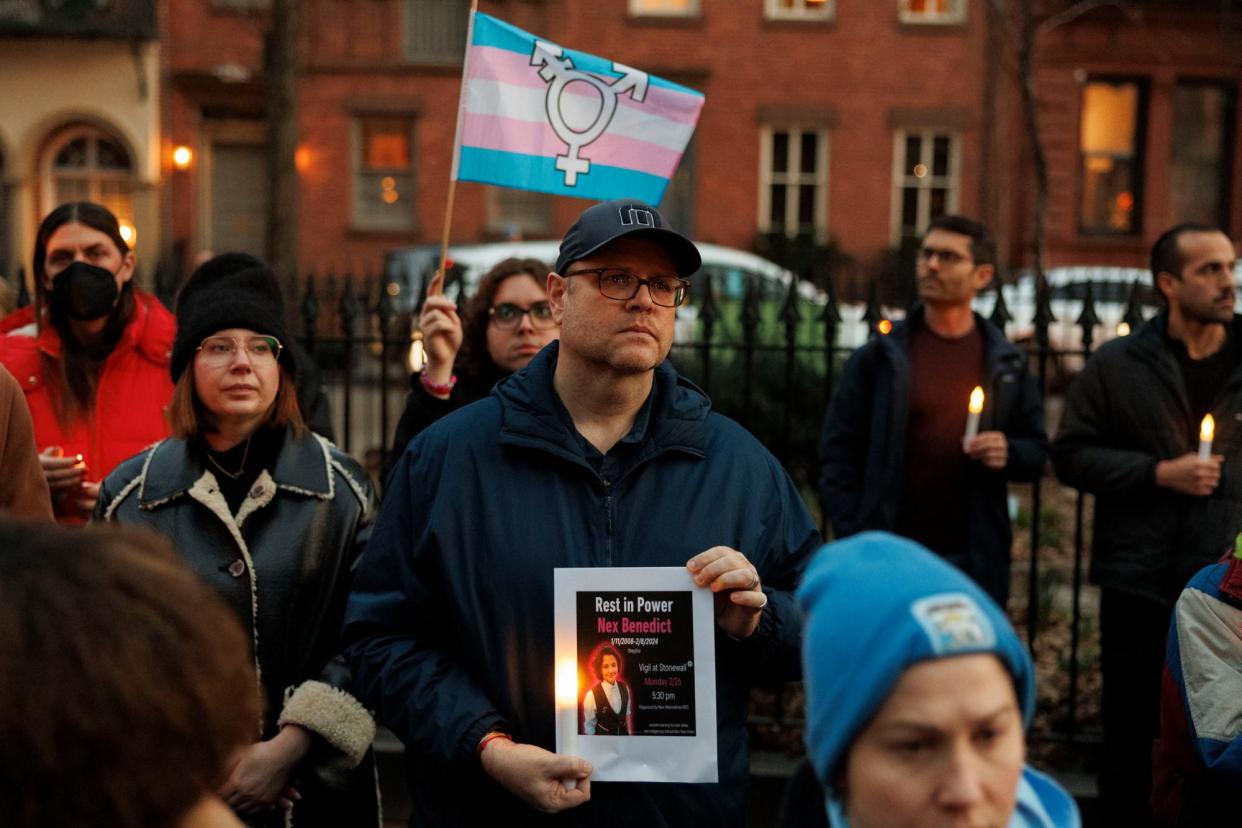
(931, 11)
(518, 214)
(926, 179)
(435, 30)
(84, 163)
(664, 8)
(383, 186)
(800, 9)
(793, 182)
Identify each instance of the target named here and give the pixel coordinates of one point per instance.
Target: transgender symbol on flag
(559, 73)
(538, 116)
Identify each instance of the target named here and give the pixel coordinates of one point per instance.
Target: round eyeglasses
(507, 316)
(220, 351)
(618, 283)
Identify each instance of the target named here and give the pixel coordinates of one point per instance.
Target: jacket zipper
(608, 521)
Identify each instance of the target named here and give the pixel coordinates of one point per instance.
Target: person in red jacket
(91, 355)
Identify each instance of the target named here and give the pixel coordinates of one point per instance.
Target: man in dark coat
(596, 454)
(895, 454)
(1129, 436)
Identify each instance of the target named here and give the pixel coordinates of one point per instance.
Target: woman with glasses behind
(273, 517)
(507, 321)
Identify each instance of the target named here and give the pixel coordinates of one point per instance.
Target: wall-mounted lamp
(182, 157)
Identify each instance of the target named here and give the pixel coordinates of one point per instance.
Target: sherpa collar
(302, 465)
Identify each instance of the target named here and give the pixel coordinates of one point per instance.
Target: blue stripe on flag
(491, 31)
(535, 172)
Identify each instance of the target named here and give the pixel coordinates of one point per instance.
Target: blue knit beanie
(876, 604)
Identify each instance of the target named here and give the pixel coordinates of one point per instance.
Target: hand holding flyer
(739, 594)
(643, 643)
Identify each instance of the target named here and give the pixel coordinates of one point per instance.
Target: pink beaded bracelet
(439, 389)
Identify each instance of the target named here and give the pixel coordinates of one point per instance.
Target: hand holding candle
(567, 713)
(1207, 431)
(974, 409)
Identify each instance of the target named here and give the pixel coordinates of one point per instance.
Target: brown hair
(473, 360)
(188, 418)
(72, 378)
(126, 684)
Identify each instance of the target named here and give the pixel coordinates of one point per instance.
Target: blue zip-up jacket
(450, 625)
(863, 447)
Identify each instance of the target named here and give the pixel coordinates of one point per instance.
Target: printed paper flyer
(641, 641)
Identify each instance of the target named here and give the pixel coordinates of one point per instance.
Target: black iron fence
(772, 364)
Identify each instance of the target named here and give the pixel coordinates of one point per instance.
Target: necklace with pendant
(240, 469)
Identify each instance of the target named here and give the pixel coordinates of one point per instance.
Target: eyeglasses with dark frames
(219, 351)
(507, 316)
(622, 285)
(948, 258)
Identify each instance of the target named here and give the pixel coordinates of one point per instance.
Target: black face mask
(85, 291)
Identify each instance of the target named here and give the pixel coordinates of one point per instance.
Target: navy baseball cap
(610, 220)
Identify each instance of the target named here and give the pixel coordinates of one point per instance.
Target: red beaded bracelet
(489, 738)
(439, 389)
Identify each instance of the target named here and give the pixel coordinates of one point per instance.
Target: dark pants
(1132, 640)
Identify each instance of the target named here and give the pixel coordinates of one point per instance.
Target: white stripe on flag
(526, 104)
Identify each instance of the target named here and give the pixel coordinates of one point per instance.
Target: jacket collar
(302, 465)
(996, 348)
(533, 414)
(149, 331)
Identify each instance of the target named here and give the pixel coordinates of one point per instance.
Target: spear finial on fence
(1088, 319)
(873, 315)
(349, 307)
(385, 310)
(1043, 309)
(751, 314)
(790, 314)
(832, 311)
(310, 308)
(1133, 317)
(1000, 315)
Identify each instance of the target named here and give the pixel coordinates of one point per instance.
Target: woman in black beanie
(273, 517)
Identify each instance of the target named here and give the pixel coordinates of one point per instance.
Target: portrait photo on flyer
(636, 673)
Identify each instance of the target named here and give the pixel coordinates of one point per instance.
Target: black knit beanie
(232, 290)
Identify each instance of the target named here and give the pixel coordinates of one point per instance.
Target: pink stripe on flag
(509, 135)
(500, 65)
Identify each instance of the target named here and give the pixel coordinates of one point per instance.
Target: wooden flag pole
(436, 287)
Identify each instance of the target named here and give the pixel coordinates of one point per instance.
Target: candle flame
(567, 684)
(1208, 429)
(418, 358)
(976, 400)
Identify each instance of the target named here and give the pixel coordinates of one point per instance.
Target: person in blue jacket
(918, 694)
(1197, 760)
(894, 453)
(597, 454)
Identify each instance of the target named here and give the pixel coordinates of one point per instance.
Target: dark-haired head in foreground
(123, 681)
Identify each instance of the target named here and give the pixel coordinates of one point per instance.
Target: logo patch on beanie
(954, 623)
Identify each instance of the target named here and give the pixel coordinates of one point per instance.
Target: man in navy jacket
(894, 454)
(597, 454)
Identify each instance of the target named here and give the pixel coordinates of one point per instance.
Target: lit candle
(1206, 432)
(567, 713)
(972, 419)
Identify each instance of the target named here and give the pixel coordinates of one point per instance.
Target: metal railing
(770, 364)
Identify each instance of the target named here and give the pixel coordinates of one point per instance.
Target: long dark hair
(473, 360)
(73, 377)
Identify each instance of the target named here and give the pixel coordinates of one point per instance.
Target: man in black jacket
(1129, 436)
(894, 454)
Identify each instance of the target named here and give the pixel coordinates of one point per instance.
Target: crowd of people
(223, 657)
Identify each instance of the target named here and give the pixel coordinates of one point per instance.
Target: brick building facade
(846, 123)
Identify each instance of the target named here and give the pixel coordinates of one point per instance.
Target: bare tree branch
(1076, 11)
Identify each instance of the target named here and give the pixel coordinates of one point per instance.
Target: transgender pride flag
(535, 116)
